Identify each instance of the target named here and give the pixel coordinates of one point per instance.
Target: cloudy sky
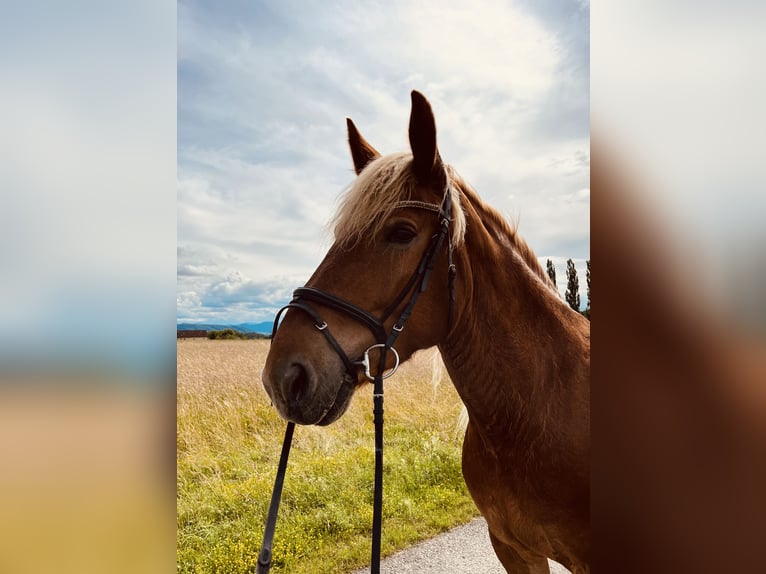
(263, 92)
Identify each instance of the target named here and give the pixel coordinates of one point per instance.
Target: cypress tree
(551, 270)
(572, 294)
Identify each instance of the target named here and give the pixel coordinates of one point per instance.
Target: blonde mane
(500, 229)
(388, 181)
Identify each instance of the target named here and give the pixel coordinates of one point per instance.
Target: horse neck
(516, 354)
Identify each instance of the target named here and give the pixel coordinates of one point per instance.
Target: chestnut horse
(518, 356)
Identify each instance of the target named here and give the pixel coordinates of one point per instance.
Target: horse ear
(425, 155)
(361, 151)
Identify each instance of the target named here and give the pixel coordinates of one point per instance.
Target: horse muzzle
(301, 395)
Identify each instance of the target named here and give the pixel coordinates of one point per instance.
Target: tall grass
(229, 439)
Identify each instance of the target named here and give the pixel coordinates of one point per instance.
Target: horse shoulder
(509, 497)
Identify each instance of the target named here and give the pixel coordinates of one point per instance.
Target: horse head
(394, 233)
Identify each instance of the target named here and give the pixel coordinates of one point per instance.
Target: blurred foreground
(87, 287)
(679, 248)
(87, 480)
(678, 397)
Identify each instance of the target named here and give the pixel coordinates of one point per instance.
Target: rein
(302, 299)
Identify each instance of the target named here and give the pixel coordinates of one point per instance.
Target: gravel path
(463, 550)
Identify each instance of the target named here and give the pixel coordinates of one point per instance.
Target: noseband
(304, 297)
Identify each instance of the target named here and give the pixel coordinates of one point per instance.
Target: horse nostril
(299, 385)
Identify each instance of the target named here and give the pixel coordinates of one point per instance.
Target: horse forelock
(376, 193)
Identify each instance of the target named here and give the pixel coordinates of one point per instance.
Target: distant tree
(551, 270)
(587, 281)
(226, 334)
(572, 294)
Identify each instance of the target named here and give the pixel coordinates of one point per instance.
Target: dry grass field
(228, 442)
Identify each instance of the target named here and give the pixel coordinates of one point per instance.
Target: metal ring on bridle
(365, 362)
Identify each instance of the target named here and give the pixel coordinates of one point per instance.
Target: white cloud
(498, 50)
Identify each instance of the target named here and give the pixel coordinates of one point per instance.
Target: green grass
(229, 439)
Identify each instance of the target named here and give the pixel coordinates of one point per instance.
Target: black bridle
(303, 298)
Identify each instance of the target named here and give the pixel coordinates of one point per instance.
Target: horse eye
(401, 234)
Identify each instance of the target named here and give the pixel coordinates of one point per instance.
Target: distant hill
(262, 328)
